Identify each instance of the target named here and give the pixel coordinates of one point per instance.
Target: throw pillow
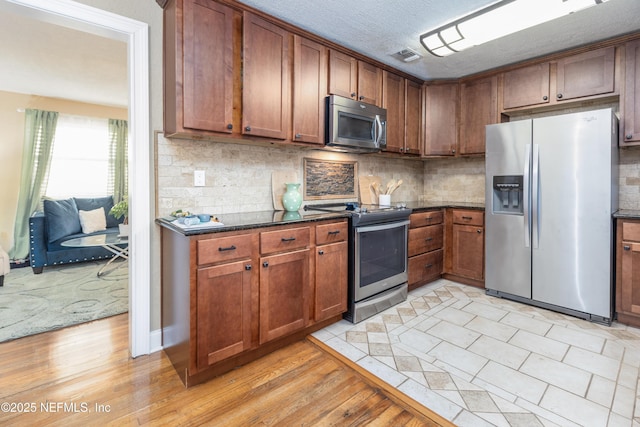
(62, 218)
(92, 221)
(89, 204)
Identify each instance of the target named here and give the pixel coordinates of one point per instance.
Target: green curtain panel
(118, 161)
(39, 133)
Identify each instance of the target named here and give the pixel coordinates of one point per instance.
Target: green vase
(292, 199)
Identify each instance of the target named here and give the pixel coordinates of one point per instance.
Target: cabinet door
(478, 108)
(310, 62)
(468, 251)
(630, 126)
(630, 281)
(413, 118)
(393, 100)
(369, 83)
(284, 294)
(590, 73)
(223, 301)
(441, 105)
(266, 79)
(526, 86)
(343, 74)
(208, 66)
(331, 280)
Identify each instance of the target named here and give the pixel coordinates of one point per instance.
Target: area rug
(61, 296)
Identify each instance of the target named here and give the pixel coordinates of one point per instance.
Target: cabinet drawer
(331, 233)
(631, 231)
(284, 240)
(426, 266)
(422, 219)
(468, 217)
(425, 239)
(225, 248)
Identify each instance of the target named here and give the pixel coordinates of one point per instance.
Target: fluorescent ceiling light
(497, 20)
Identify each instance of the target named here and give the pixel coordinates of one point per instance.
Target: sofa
(63, 220)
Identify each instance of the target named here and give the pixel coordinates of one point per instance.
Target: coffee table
(111, 242)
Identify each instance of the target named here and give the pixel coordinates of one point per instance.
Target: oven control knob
(363, 209)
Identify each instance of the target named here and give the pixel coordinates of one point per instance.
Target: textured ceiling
(49, 60)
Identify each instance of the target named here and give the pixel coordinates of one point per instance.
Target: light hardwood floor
(83, 375)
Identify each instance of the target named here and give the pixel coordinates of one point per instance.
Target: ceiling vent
(407, 55)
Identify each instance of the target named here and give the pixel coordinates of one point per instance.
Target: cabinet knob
(628, 136)
(453, 150)
(361, 98)
(544, 98)
(559, 96)
(298, 136)
(627, 248)
(320, 252)
(353, 94)
(247, 128)
(479, 231)
(265, 264)
(247, 267)
(229, 126)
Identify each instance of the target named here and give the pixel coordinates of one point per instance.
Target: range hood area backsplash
(238, 176)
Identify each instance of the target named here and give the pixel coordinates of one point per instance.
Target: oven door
(380, 258)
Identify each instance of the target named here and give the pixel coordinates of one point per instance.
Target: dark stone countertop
(627, 214)
(249, 220)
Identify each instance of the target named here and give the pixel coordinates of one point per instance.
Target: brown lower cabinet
(464, 256)
(628, 271)
(426, 239)
(231, 297)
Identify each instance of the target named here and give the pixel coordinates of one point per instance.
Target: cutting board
(366, 193)
(278, 187)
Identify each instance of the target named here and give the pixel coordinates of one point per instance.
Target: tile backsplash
(238, 176)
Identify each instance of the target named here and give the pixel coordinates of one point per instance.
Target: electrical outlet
(198, 178)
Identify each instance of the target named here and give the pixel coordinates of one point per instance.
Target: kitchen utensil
(395, 187)
(367, 193)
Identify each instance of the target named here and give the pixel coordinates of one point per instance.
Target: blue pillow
(62, 218)
(90, 204)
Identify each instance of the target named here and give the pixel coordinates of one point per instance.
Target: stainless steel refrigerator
(551, 189)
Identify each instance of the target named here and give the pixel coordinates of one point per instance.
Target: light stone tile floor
(484, 361)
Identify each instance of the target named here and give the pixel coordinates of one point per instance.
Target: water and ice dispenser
(508, 194)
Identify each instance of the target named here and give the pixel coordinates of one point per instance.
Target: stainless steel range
(377, 256)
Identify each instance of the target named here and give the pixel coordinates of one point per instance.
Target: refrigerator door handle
(526, 196)
(535, 196)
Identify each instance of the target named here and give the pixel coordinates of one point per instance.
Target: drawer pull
(627, 247)
(230, 248)
(428, 239)
(265, 264)
(320, 252)
(334, 232)
(467, 217)
(288, 239)
(428, 266)
(247, 267)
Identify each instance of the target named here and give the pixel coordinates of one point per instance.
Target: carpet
(61, 296)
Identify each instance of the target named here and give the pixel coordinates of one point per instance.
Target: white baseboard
(155, 341)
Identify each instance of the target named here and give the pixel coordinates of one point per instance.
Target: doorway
(96, 21)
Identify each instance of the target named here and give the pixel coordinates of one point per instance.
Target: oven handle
(378, 227)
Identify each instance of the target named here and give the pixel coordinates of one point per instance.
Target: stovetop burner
(364, 213)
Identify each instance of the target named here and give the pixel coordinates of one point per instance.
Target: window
(80, 158)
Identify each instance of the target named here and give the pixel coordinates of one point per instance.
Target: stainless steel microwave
(354, 126)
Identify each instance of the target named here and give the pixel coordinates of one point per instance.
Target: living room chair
(5, 266)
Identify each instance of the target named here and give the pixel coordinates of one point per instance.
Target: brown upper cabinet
(478, 108)
(266, 79)
(441, 123)
(526, 86)
(200, 65)
(354, 79)
(402, 99)
(630, 123)
(586, 75)
(310, 65)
